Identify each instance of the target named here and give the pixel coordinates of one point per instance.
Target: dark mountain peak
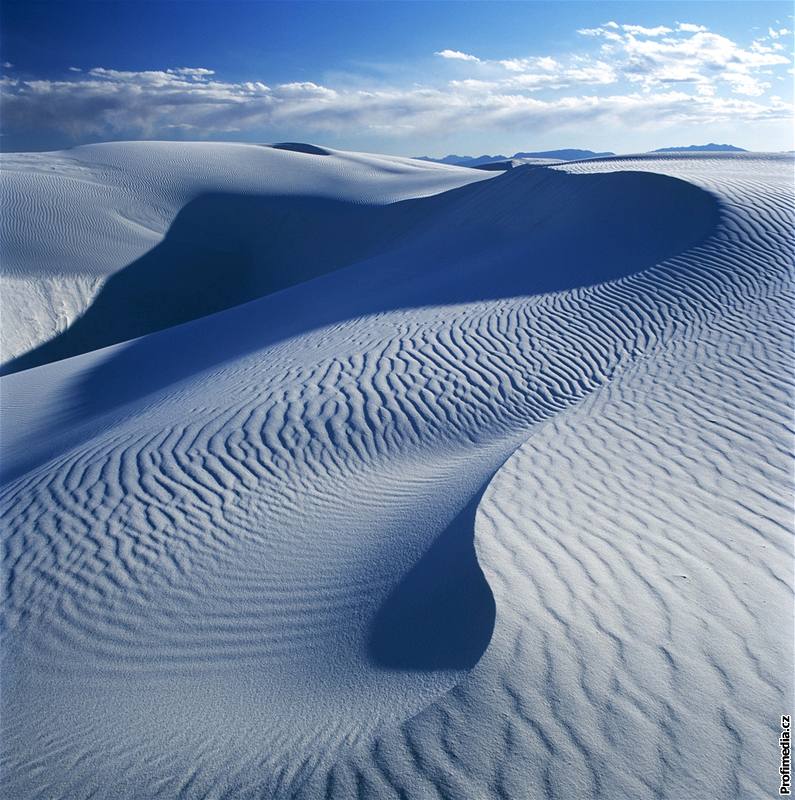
(702, 148)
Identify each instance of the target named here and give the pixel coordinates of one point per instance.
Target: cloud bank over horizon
(625, 76)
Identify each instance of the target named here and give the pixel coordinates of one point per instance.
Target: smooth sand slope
(494, 503)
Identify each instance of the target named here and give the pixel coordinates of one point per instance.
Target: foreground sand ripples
(196, 582)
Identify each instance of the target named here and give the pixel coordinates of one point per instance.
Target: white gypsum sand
(71, 220)
(495, 502)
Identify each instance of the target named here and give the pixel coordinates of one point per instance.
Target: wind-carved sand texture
(480, 488)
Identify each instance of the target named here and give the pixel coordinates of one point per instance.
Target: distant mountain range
(570, 155)
(703, 148)
(477, 161)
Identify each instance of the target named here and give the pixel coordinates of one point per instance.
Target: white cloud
(456, 55)
(196, 73)
(515, 64)
(597, 72)
(691, 54)
(544, 64)
(689, 27)
(7, 64)
(75, 69)
(657, 75)
(153, 76)
(111, 103)
(639, 30)
(653, 58)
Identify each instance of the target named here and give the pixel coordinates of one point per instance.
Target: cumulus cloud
(691, 54)
(689, 27)
(111, 102)
(534, 73)
(635, 75)
(639, 30)
(653, 57)
(542, 63)
(456, 55)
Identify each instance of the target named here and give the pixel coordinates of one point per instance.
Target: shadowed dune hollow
(530, 231)
(428, 623)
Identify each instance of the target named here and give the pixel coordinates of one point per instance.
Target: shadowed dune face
(221, 251)
(531, 231)
(442, 613)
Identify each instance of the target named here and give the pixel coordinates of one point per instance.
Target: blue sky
(399, 77)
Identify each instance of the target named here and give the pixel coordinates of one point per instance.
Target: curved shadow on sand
(223, 250)
(441, 616)
(300, 147)
(529, 231)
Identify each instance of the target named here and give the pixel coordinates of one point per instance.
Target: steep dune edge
(193, 582)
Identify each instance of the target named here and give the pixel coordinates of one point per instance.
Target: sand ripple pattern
(192, 588)
(639, 546)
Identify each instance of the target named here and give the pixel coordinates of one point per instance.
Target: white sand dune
(71, 220)
(494, 503)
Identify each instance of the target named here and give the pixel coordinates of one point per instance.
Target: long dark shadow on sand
(530, 231)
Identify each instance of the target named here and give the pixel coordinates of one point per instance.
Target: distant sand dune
(301, 147)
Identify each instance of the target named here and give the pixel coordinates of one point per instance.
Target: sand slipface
(491, 499)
